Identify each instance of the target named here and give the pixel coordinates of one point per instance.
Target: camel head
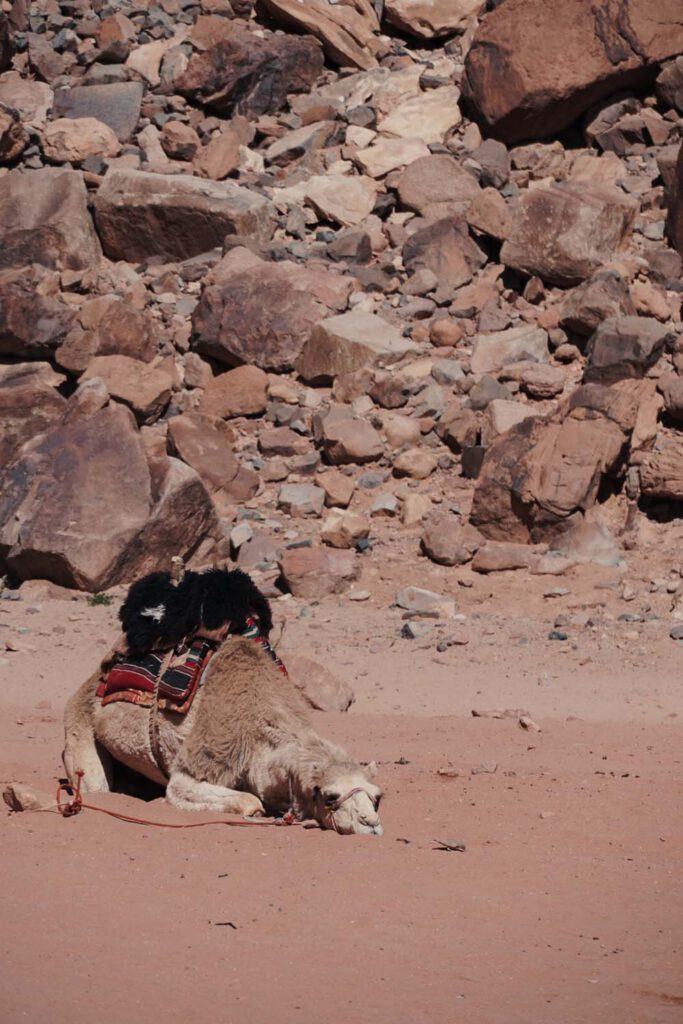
(347, 800)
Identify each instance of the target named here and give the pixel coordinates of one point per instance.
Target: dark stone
(116, 105)
(245, 74)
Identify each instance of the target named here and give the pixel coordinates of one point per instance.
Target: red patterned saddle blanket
(134, 680)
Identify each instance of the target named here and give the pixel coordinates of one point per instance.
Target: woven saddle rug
(134, 680)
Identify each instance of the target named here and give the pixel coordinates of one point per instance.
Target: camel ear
(372, 769)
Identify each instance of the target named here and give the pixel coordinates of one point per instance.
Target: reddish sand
(565, 907)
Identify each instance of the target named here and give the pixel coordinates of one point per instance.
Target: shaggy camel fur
(245, 746)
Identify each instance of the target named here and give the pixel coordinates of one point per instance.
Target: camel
(246, 746)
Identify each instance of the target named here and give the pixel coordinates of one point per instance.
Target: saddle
(135, 680)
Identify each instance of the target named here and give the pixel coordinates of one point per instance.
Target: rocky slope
(290, 283)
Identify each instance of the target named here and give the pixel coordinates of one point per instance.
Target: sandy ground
(566, 906)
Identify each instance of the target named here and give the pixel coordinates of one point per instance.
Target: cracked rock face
(536, 65)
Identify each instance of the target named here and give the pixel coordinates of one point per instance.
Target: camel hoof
(251, 806)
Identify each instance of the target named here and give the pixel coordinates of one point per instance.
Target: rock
(342, 344)
(445, 331)
(299, 141)
(563, 235)
(674, 200)
(491, 352)
(144, 388)
(222, 154)
(139, 214)
(416, 463)
(485, 391)
(282, 441)
(498, 557)
(320, 687)
(538, 380)
(432, 19)
(19, 797)
(249, 74)
(445, 248)
(182, 517)
(73, 141)
(458, 427)
(448, 541)
(116, 104)
(239, 392)
(61, 509)
(428, 117)
(626, 346)
(386, 155)
(490, 214)
(341, 199)
(6, 44)
(415, 508)
(31, 100)
(29, 405)
(348, 33)
(107, 325)
(676, 632)
(436, 186)
(587, 54)
(338, 488)
(661, 471)
(425, 602)
(179, 141)
(604, 296)
(206, 445)
(350, 440)
(234, 322)
(316, 571)
(501, 416)
(115, 36)
(343, 529)
(14, 137)
(540, 473)
(493, 160)
(33, 320)
(299, 500)
(670, 85)
(44, 219)
(671, 387)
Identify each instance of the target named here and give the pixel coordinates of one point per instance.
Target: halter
(331, 808)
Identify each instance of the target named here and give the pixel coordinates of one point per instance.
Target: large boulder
(491, 352)
(245, 73)
(431, 19)
(674, 201)
(107, 325)
(44, 219)
(342, 344)
(182, 517)
(661, 471)
(174, 216)
(437, 186)
(348, 32)
(33, 319)
(604, 295)
(205, 443)
(542, 472)
(6, 47)
(264, 313)
(536, 65)
(317, 571)
(30, 404)
(74, 500)
(625, 346)
(116, 104)
(143, 387)
(81, 505)
(446, 249)
(564, 234)
(72, 141)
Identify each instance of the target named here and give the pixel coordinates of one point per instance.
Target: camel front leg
(191, 795)
(82, 752)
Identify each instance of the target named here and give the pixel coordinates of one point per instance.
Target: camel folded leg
(191, 795)
(82, 752)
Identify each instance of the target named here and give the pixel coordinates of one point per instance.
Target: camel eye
(331, 798)
(377, 801)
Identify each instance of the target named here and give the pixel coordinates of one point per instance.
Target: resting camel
(246, 746)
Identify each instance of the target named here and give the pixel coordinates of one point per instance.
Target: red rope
(74, 806)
